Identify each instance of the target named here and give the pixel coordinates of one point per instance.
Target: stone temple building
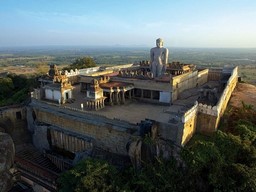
(98, 111)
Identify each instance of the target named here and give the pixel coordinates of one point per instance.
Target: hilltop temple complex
(98, 111)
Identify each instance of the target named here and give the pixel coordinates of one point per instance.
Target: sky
(180, 23)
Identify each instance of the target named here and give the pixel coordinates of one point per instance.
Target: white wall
(48, 94)
(165, 97)
(56, 95)
(52, 94)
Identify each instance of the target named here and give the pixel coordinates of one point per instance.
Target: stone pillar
(117, 101)
(141, 93)
(103, 103)
(130, 94)
(65, 141)
(52, 137)
(78, 144)
(123, 96)
(151, 94)
(83, 145)
(69, 143)
(110, 98)
(73, 143)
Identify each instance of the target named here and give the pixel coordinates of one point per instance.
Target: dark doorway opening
(18, 115)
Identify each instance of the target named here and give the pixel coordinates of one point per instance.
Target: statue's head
(159, 42)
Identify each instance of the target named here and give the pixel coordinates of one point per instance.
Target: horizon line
(118, 46)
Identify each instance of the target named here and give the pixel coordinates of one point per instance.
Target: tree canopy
(15, 89)
(223, 161)
(80, 63)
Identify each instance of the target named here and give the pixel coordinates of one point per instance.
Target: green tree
(6, 89)
(89, 175)
(15, 88)
(80, 63)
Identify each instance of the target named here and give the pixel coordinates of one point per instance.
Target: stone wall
(68, 141)
(13, 121)
(202, 77)
(226, 94)
(109, 134)
(189, 120)
(186, 81)
(214, 74)
(170, 132)
(209, 116)
(13, 112)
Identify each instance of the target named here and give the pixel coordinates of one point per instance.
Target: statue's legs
(159, 69)
(153, 69)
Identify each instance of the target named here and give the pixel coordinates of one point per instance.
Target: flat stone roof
(134, 111)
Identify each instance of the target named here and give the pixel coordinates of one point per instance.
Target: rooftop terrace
(134, 110)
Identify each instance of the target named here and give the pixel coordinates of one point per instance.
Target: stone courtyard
(134, 111)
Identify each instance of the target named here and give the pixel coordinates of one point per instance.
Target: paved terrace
(134, 111)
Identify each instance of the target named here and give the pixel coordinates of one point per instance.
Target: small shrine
(60, 90)
(94, 96)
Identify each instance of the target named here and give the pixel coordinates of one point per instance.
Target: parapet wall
(109, 134)
(202, 77)
(226, 94)
(189, 120)
(72, 73)
(209, 116)
(206, 120)
(13, 113)
(11, 118)
(186, 81)
(87, 71)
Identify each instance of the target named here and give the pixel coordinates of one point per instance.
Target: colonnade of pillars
(118, 96)
(68, 142)
(96, 104)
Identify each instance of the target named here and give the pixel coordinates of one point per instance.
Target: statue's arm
(151, 55)
(151, 58)
(166, 56)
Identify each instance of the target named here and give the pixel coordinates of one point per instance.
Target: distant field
(37, 59)
(248, 73)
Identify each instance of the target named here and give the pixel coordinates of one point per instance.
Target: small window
(18, 115)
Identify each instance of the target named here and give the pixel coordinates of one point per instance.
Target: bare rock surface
(243, 93)
(7, 153)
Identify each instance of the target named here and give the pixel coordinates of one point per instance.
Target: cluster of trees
(80, 63)
(15, 89)
(224, 161)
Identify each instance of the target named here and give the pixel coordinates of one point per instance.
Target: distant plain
(30, 60)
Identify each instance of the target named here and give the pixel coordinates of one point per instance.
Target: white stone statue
(158, 59)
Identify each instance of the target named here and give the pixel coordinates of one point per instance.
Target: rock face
(7, 153)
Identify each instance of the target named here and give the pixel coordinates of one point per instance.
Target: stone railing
(71, 73)
(207, 109)
(88, 70)
(192, 112)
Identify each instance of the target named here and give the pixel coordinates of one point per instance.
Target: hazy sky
(181, 23)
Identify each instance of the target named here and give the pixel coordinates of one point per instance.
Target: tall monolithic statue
(158, 58)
